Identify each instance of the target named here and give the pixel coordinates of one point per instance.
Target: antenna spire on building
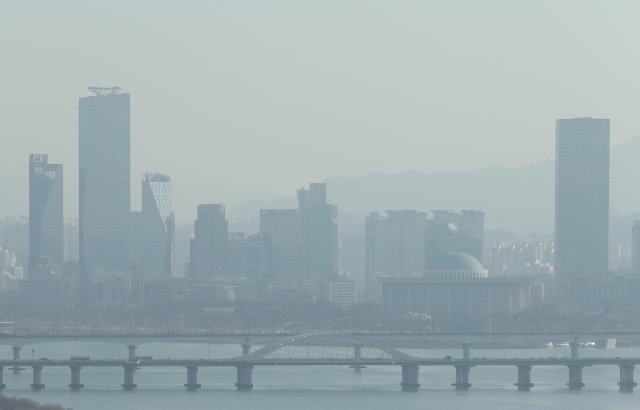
(103, 91)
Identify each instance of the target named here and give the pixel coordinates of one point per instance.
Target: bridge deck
(324, 362)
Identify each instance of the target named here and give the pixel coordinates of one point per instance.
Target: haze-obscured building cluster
(414, 263)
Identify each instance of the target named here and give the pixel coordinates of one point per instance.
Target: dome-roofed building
(455, 265)
(455, 284)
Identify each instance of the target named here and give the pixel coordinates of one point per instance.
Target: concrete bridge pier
(357, 354)
(132, 351)
(246, 347)
(37, 378)
(626, 378)
(574, 348)
(192, 379)
(16, 356)
(245, 377)
(2, 385)
(462, 377)
(75, 384)
(466, 351)
(575, 377)
(410, 377)
(128, 384)
(524, 378)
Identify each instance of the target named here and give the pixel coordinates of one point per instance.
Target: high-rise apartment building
(46, 224)
(461, 231)
(582, 197)
(320, 231)
(105, 184)
(158, 226)
(394, 246)
(209, 246)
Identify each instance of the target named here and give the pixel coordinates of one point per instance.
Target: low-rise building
(455, 285)
(342, 292)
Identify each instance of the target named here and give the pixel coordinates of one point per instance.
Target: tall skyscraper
(635, 247)
(135, 241)
(46, 225)
(320, 231)
(209, 246)
(582, 197)
(158, 226)
(283, 235)
(105, 184)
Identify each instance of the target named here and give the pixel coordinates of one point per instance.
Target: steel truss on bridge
(326, 349)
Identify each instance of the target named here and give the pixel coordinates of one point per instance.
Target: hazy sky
(251, 99)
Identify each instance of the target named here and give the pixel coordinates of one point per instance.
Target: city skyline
(496, 219)
(297, 249)
(335, 196)
(385, 86)
(187, 213)
(272, 203)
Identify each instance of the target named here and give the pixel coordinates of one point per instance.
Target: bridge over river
(389, 338)
(328, 349)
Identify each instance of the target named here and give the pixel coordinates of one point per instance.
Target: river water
(317, 387)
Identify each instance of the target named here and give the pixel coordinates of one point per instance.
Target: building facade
(394, 246)
(248, 257)
(209, 245)
(46, 221)
(516, 259)
(282, 231)
(455, 231)
(46, 292)
(105, 181)
(320, 231)
(455, 285)
(158, 227)
(342, 292)
(582, 198)
(635, 247)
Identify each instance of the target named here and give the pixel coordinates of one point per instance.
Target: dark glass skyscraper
(46, 226)
(209, 246)
(105, 183)
(582, 197)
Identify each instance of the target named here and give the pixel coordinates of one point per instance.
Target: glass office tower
(158, 226)
(46, 226)
(582, 197)
(105, 183)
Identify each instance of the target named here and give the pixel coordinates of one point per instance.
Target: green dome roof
(455, 261)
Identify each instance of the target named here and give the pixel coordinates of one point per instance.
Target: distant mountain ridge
(519, 199)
